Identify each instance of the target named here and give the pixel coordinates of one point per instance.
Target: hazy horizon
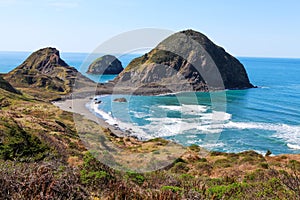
(140, 53)
(244, 29)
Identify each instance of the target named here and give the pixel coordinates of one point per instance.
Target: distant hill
(186, 60)
(44, 74)
(106, 64)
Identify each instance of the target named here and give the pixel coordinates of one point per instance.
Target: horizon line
(78, 52)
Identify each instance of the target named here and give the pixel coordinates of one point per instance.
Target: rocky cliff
(45, 74)
(185, 61)
(106, 64)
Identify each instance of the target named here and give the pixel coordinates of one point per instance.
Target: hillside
(7, 86)
(45, 75)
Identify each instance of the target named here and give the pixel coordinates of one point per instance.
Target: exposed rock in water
(44, 72)
(7, 86)
(120, 100)
(107, 64)
(97, 101)
(185, 61)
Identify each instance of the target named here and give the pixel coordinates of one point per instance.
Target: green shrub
(264, 165)
(179, 160)
(283, 157)
(156, 152)
(202, 160)
(233, 190)
(217, 153)
(180, 167)
(222, 163)
(195, 148)
(186, 176)
(22, 146)
(233, 157)
(93, 172)
(136, 177)
(257, 175)
(204, 168)
(294, 165)
(172, 188)
(93, 177)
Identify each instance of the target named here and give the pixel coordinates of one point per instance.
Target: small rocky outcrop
(44, 71)
(185, 61)
(107, 64)
(122, 100)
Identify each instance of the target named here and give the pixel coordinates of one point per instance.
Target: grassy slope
(6, 86)
(41, 154)
(37, 127)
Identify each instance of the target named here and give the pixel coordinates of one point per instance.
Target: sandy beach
(79, 106)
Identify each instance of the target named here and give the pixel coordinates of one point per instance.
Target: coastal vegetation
(42, 155)
(46, 160)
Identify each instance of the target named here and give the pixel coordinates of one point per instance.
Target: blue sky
(268, 28)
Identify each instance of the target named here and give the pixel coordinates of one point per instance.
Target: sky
(256, 28)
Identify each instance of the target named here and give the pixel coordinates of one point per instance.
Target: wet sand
(79, 106)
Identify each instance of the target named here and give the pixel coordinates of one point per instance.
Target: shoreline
(78, 106)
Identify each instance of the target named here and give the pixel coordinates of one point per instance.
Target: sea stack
(106, 64)
(44, 73)
(185, 61)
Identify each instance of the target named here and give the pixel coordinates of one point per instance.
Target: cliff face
(106, 64)
(186, 60)
(45, 72)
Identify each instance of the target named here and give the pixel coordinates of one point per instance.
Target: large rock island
(106, 64)
(45, 75)
(185, 61)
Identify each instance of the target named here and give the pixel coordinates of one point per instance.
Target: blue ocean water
(81, 61)
(261, 119)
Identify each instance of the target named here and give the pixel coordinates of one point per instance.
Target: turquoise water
(264, 118)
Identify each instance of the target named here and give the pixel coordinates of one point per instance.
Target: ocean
(260, 119)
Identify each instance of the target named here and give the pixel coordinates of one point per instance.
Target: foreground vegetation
(93, 180)
(42, 157)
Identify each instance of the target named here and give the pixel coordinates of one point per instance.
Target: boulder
(120, 100)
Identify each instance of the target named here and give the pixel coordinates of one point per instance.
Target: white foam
(139, 114)
(163, 127)
(107, 117)
(213, 145)
(203, 123)
(288, 133)
(168, 94)
(262, 152)
(293, 146)
(216, 116)
(191, 136)
(186, 109)
(193, 141)
(133, 129)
